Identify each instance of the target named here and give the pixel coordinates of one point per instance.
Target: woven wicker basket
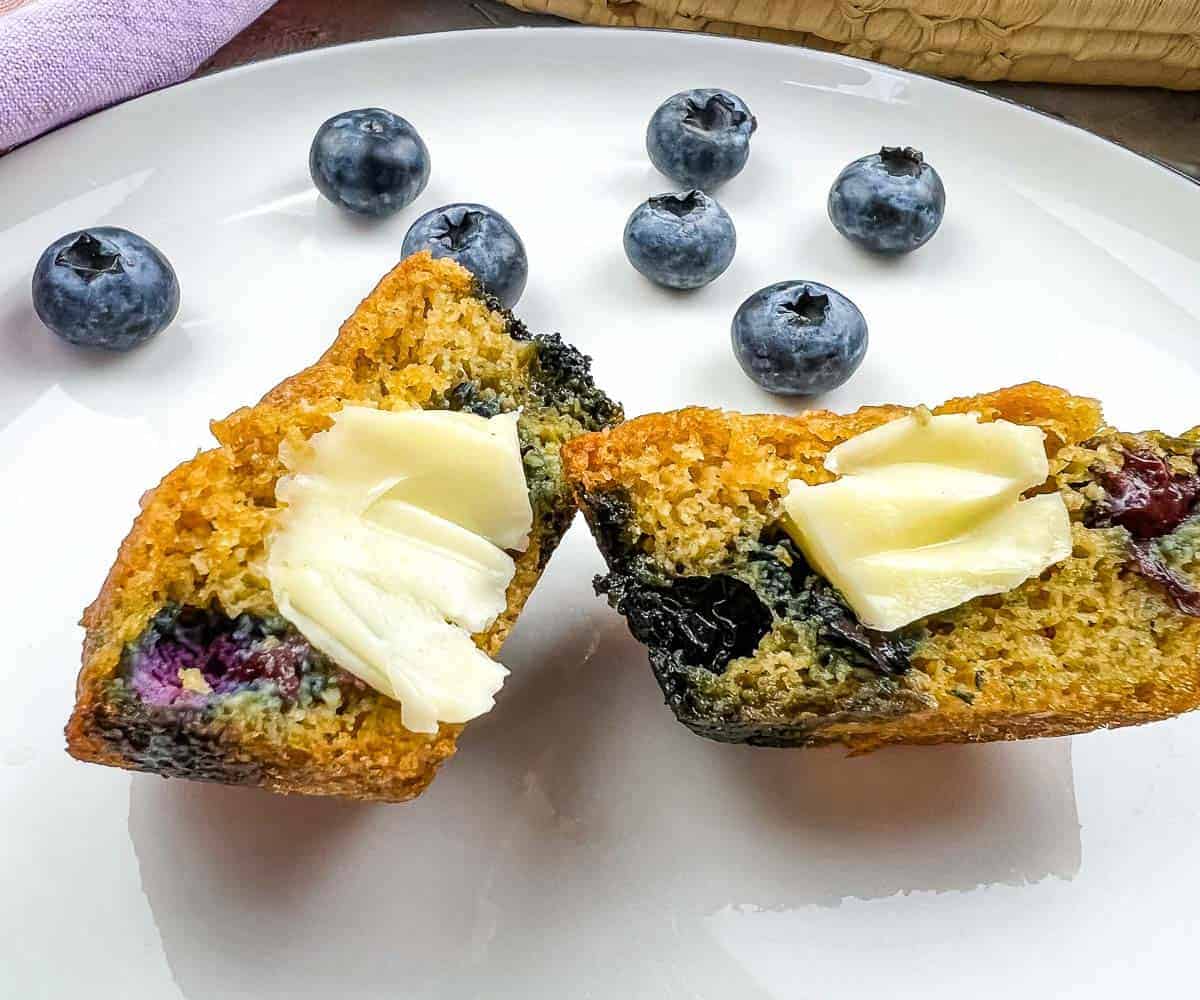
(1134, 42)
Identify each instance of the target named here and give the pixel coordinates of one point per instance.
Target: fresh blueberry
(481, 240)
(889, 202)
(682, 240)
(700, 138)
(798, 338)
(105, 287)
(369, 161)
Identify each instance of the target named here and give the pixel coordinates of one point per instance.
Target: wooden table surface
(1160, 123)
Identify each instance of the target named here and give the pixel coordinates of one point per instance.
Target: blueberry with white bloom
(799, 338)
(481, 240)
(890, 202)
(105, 287)
(682, 240)
(700, 138)
(369, 161)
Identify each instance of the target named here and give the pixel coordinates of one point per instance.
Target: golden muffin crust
(199, 543)
(1092, 642)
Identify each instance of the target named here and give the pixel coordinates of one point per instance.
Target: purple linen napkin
(60, 59)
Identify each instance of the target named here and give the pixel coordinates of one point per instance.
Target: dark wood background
(1160, 123)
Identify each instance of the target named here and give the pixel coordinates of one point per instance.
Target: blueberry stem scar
(89, 258)
(458, 234)
(714, 114)
(808, 308)
(680, 205)
(901, 161)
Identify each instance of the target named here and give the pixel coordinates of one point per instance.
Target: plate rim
(202, 79)
(1051, 823)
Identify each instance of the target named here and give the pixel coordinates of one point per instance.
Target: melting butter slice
(953, 440)
(928, 514)
(390, 552)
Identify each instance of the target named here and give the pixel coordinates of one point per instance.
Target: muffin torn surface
(188, 605)
(688, 508)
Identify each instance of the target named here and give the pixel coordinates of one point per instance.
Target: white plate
(583, 844)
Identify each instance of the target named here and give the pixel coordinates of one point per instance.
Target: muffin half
(696, 514)
(311, 606)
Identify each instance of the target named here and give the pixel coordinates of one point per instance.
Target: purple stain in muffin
(1150, 566)
(1145, 496)
(1149, 499)
(226, 654)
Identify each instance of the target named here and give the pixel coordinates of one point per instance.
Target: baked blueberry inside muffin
(752, 643)
(191, 667)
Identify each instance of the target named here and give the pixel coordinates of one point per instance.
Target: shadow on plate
(108, 382)
(581, 838)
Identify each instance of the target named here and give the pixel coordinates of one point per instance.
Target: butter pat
(390, 552)
(953, 440)
(928, 514)
(461, 467)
